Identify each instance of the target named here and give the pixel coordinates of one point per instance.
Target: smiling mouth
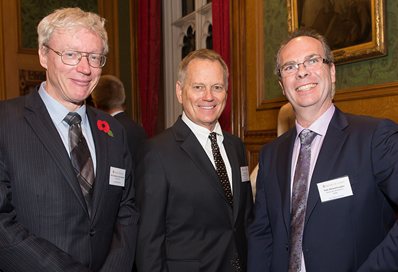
(207, 107)
(306, 87)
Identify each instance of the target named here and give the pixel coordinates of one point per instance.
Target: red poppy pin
(104, 126)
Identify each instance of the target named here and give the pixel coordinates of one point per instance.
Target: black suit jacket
(187, 223)
(44, 223)
(135, 134)
(354, 233)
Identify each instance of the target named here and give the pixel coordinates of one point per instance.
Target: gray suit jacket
(44, 223)
(187, 223)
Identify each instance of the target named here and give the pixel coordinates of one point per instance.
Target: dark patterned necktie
(299, 199)
(80, 156)
(220, 168)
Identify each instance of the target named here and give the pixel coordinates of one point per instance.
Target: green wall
(32, 11)
(367, 72)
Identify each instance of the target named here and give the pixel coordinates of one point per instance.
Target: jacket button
(92, 232)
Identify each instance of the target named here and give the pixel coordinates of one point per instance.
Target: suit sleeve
(21, 251)
(122, 252)
(259, 233)
(152, 193)
(385, 169)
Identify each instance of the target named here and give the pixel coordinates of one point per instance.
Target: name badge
(244, 173)
(117, 176)
(335, 189)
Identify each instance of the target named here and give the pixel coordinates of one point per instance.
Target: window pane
(187, 6)
(189, 42)
(209, 38)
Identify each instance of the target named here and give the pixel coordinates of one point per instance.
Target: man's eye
(70, 55)
(197, 87)
(95, 57)
(312, 61)
(289, 67)
(218, 88)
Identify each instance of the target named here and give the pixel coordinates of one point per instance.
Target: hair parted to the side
(109, 93)
(70, 19)
(308, 32)
(203, 54)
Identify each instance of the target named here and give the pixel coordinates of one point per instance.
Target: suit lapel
(101, 150)
(192, 147)
(334, 141)
(284, 165)
(36, 115)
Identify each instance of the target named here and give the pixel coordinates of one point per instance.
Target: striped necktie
(80, 157)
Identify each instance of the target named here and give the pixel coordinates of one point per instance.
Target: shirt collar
(56, 110)
(320, 126)
(200, 132)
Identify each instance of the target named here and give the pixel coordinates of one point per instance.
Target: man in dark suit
(347, 213)
(109, 96)
(66, 204)
(189, 222)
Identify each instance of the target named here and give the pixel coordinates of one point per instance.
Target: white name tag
(244, 173)
(117, 176)
(335, 189)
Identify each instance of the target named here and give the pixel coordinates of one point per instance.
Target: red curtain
(149, 61)
(221, 44)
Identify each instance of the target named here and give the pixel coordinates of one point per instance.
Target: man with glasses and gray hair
(327, 190)
(66, 186)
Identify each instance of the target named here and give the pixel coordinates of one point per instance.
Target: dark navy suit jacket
(187, 223)
(355, 233)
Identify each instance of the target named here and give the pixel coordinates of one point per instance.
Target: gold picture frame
(354, 29)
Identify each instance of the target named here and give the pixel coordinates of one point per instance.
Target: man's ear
(283, 89)
(179, 90)
(43, 55)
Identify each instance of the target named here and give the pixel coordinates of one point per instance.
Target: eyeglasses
(72, 58)
(311, 63)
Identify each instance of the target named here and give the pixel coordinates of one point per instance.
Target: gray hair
(71, 18)
(203, 54)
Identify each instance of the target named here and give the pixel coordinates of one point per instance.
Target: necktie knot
(73, 118)
(306, 136)
(213, 137)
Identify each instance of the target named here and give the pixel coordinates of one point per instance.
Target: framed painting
(354, 29)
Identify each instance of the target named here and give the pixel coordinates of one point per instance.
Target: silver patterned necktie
(299, 199)
(80, 157)
(220, 168)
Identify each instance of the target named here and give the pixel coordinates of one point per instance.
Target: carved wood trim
(365, 92)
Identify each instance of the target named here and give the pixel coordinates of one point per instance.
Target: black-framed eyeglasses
(72, 58)
(313, 62)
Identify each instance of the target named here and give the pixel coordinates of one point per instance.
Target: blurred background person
(109, 96)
